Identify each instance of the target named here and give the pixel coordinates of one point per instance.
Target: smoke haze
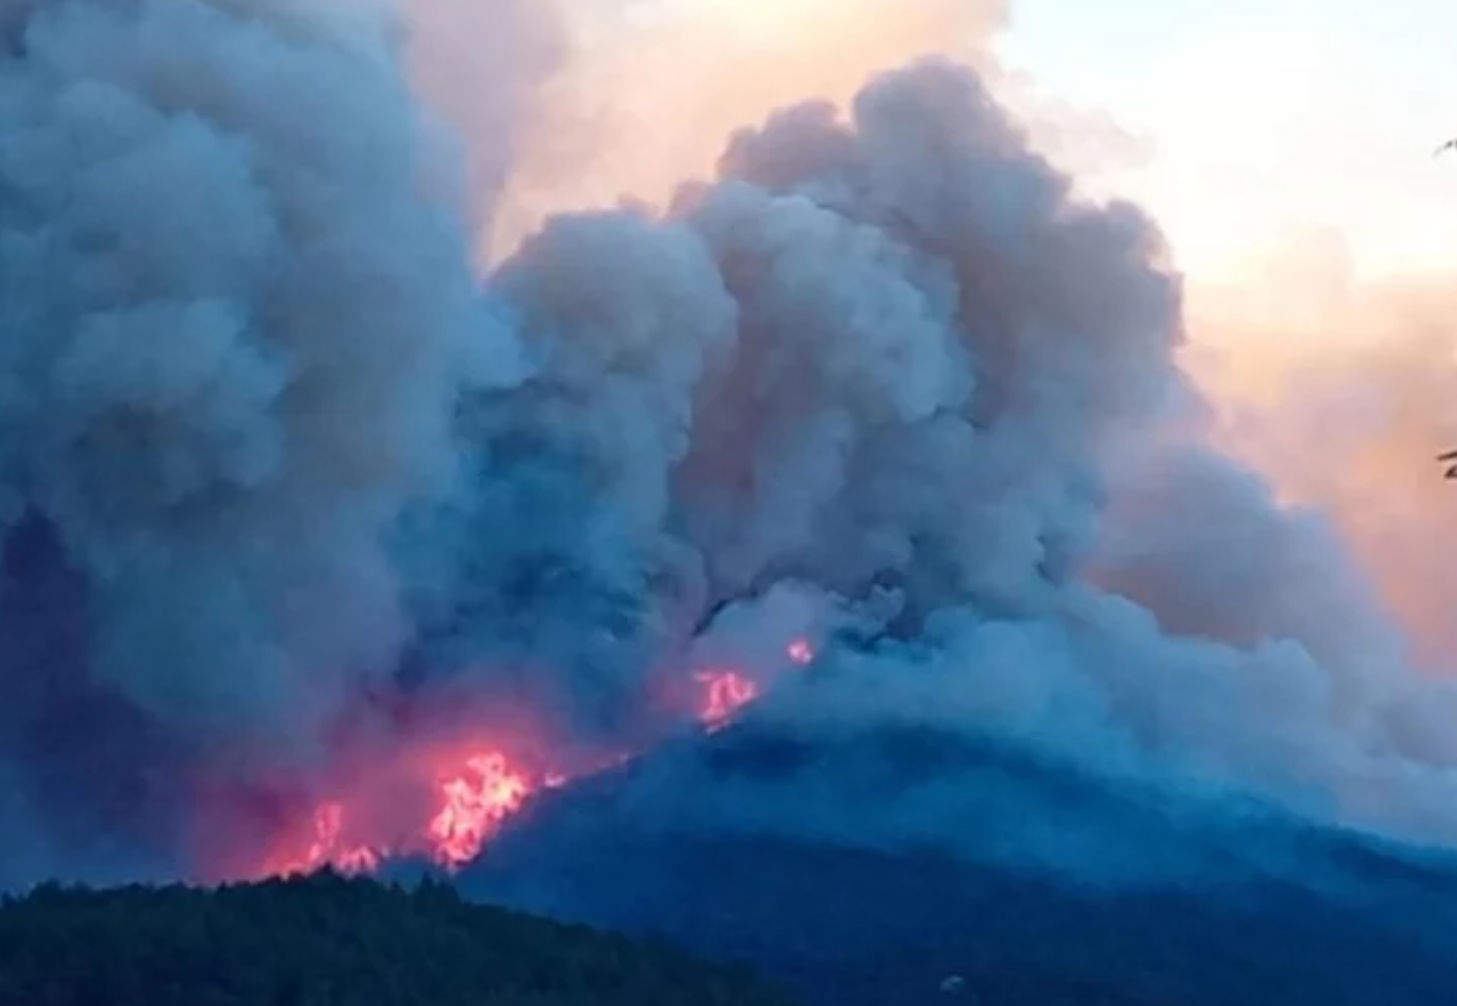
(294, 492)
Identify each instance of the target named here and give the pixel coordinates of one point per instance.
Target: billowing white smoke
(270, 456)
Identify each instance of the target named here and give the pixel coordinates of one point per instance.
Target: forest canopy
(328, 940)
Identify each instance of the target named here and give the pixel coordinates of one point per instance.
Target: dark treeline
(326, 940)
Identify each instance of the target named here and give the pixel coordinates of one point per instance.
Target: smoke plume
(1337, 386)
(296, 503)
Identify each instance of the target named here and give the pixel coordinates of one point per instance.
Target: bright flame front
(476, 803)
(463, 800)
(725, 693)
(454, 800)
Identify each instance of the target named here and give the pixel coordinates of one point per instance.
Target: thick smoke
(234, 316)
(288, 490)
(1339, 387)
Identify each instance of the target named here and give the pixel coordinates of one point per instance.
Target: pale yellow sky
(1268, 120)
(1286, 149)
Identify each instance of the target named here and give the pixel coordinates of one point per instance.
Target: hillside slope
(330, 941)
(1145, 903)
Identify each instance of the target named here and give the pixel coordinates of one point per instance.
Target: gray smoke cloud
(954, 391)
(235, 312)
(275, 459)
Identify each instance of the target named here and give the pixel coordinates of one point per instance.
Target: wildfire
(475, 805)
(326, 847)
(468, 802)
(446, 803)
(726, 692)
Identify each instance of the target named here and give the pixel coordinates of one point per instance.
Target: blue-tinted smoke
(274, 458)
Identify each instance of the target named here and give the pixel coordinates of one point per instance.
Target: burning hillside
(445, 802)
(322, 546)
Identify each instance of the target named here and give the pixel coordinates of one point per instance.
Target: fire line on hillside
(477, 791)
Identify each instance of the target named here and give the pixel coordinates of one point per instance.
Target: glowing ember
(327, 848)
(801, 652)
(475, 805)
(727, 693)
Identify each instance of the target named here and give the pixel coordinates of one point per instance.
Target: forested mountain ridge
(328, 940)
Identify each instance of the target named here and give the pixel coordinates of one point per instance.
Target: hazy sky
(1258, 121)
(1265, 119)
(1288, 154)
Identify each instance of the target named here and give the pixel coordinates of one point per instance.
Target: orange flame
(726, 692)
(462, 808)
(466, 794)
(475, 805)
(326, 848)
